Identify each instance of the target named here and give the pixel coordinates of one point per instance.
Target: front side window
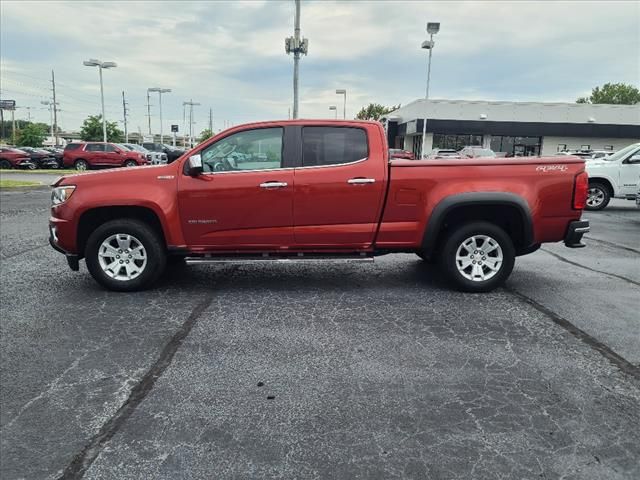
(110, 148)
(259, 149)
(94, 147)
(333, 145)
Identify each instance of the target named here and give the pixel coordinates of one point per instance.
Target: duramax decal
(552, 168)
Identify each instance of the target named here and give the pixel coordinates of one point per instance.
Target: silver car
(156, 158)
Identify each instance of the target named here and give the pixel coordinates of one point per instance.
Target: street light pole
(342, 91)
(101, 65)
(432, 29)
(160, 92)
(297, 46)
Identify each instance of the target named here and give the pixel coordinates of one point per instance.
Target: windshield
(620, 154)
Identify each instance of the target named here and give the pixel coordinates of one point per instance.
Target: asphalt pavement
(331, 370)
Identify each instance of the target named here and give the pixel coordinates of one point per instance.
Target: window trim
(282, 151)
(366, 137)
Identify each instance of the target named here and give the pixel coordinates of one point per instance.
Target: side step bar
(300, 257)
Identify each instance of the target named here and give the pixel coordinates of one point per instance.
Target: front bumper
(577, 228)
(73, 260)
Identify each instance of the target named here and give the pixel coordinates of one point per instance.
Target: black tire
(598, 196)
(5, 164)
(424, 257)
(156, 256)
(454, 241)
(81, 165)
(32, 166)
(130, 163)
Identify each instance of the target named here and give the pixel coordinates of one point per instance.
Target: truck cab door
(243, 200)
(630, 174)
(339, 186)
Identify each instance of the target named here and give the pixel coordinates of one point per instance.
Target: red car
(83, 156)
(326, 190)
(397, 153)
(15, 158)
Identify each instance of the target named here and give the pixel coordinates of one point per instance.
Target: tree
(205, 134)
(32, 135)
(613, 93)
(91, 130)
(374, 111)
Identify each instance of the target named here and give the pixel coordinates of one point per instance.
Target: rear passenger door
(95, 153)
(339, 188)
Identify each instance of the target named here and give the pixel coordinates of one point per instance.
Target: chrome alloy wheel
(595, 197)
(122, 257)
(479, 258)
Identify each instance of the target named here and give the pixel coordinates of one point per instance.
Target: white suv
(613, 176)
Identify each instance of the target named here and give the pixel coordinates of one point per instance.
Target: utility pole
(211, 120)
(191, 105)
(13, 126)
(297, 46)
(55, 109)
(149, 112)
(124, 114)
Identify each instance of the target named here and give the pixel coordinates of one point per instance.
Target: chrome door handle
(273, 185)
(360, 181)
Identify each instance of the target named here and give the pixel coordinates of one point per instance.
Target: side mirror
(634, 158)
(195, 165)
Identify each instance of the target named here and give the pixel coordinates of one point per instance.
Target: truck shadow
(329, 276)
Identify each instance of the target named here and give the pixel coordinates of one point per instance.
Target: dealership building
(513, 128)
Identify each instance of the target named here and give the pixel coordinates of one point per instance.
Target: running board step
(277, 258)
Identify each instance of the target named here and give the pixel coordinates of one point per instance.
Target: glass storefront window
(456, 141)
(516, 146)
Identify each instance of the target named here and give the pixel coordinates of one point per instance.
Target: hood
(118, 176)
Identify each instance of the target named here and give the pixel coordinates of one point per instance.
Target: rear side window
(94, 147)
(333, 145)
(72, 146)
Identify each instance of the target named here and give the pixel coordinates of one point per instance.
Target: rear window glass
(333, 145)
(72, 146)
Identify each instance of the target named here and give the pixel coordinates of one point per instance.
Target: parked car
(41, 158)
(327, 192)
(476, 152)
(15, 158)
(398, 153)
(57, 153)
(614, 176)
(440, 153)
(171, 152)
(156, 158)
(83, 156)
(595, 154)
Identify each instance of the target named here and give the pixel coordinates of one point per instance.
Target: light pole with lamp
(160, 92)
(342, 91)
(432, 29)
(335, 110)
(101, 65)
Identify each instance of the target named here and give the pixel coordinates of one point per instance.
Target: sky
(229, 56)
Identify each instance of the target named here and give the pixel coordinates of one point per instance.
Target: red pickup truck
(310, 189)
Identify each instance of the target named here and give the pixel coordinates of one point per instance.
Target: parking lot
(330, 370)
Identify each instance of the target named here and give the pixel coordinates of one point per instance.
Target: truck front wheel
(477, 257)
(125, 255)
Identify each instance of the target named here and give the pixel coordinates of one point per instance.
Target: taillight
(580, 190)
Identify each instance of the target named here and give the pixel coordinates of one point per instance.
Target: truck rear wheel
(598, 196)
(477, 257)
(125, 255)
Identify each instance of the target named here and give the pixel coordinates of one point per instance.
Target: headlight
(61, 194)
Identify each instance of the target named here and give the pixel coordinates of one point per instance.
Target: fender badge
(166, 177)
